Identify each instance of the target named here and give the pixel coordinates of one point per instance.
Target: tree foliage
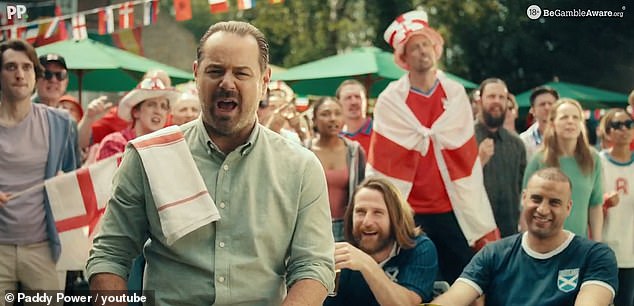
(483, 38)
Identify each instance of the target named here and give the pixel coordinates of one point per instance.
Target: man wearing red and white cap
(424, 142)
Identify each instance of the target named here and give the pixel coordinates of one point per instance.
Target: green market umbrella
(99, 67)
(589, 97)
(370, 65)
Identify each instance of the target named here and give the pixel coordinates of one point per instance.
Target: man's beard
(373, 246)
(493, 122)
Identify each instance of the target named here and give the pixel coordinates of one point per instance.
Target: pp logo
(16, 11)
(533, 12)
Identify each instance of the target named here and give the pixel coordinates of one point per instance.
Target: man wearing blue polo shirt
(544, 266)
(388, 260)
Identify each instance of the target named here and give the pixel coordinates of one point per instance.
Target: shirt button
(221, 279)
(221, 244)
(226, 167)
(222, 204)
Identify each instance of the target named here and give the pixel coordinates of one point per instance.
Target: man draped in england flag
(424, 142)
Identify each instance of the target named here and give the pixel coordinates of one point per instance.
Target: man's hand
(349, 257)
(277, 119)
(4, 198)
(611, 199)
(108, 284)
(97, 108)
(486, 149)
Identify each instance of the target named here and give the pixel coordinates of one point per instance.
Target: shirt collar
(365, 129)
(395, 250)
(243, 149)
(534, 254)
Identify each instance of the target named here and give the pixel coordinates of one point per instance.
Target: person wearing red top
(101, 118)
(357, 125)
(423, 141)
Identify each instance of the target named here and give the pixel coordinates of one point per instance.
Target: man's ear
(531, 111)
(136, 113)
(195, 68)
(266, 78)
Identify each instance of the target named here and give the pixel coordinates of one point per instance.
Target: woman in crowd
(343, 160)
(618, 176)
(146, 107)
(565, 146)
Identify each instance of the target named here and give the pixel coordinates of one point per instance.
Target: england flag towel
(396, 127)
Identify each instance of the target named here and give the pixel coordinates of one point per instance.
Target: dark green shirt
(503, 176)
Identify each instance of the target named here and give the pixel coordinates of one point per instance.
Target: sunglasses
(617, 125)
(60, 75)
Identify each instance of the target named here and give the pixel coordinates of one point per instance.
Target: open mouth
(370, 233)
(226, 105)
(155, 120)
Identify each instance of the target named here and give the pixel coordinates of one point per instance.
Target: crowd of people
(228, 195)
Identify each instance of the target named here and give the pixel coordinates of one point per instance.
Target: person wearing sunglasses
(618, 179)
(52, 84)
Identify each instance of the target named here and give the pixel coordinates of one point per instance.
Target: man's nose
(543, 207)
(228, 81)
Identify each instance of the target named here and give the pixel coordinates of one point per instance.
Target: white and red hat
(407, 25)
(147, 89)
(281, 87)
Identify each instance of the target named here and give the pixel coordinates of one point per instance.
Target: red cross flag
(79, 27)
(126, 15)
(78, 200)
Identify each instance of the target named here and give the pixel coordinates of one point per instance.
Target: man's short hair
(350, 82)
(238, 28)
(553, 174)
(402, 227)
(22, 46)
(537, 91)
(490, 81)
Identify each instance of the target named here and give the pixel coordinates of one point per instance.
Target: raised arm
(95, 110)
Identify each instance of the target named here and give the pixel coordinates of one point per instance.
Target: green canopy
(370, 65)
(589, 97)
(100, 67)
